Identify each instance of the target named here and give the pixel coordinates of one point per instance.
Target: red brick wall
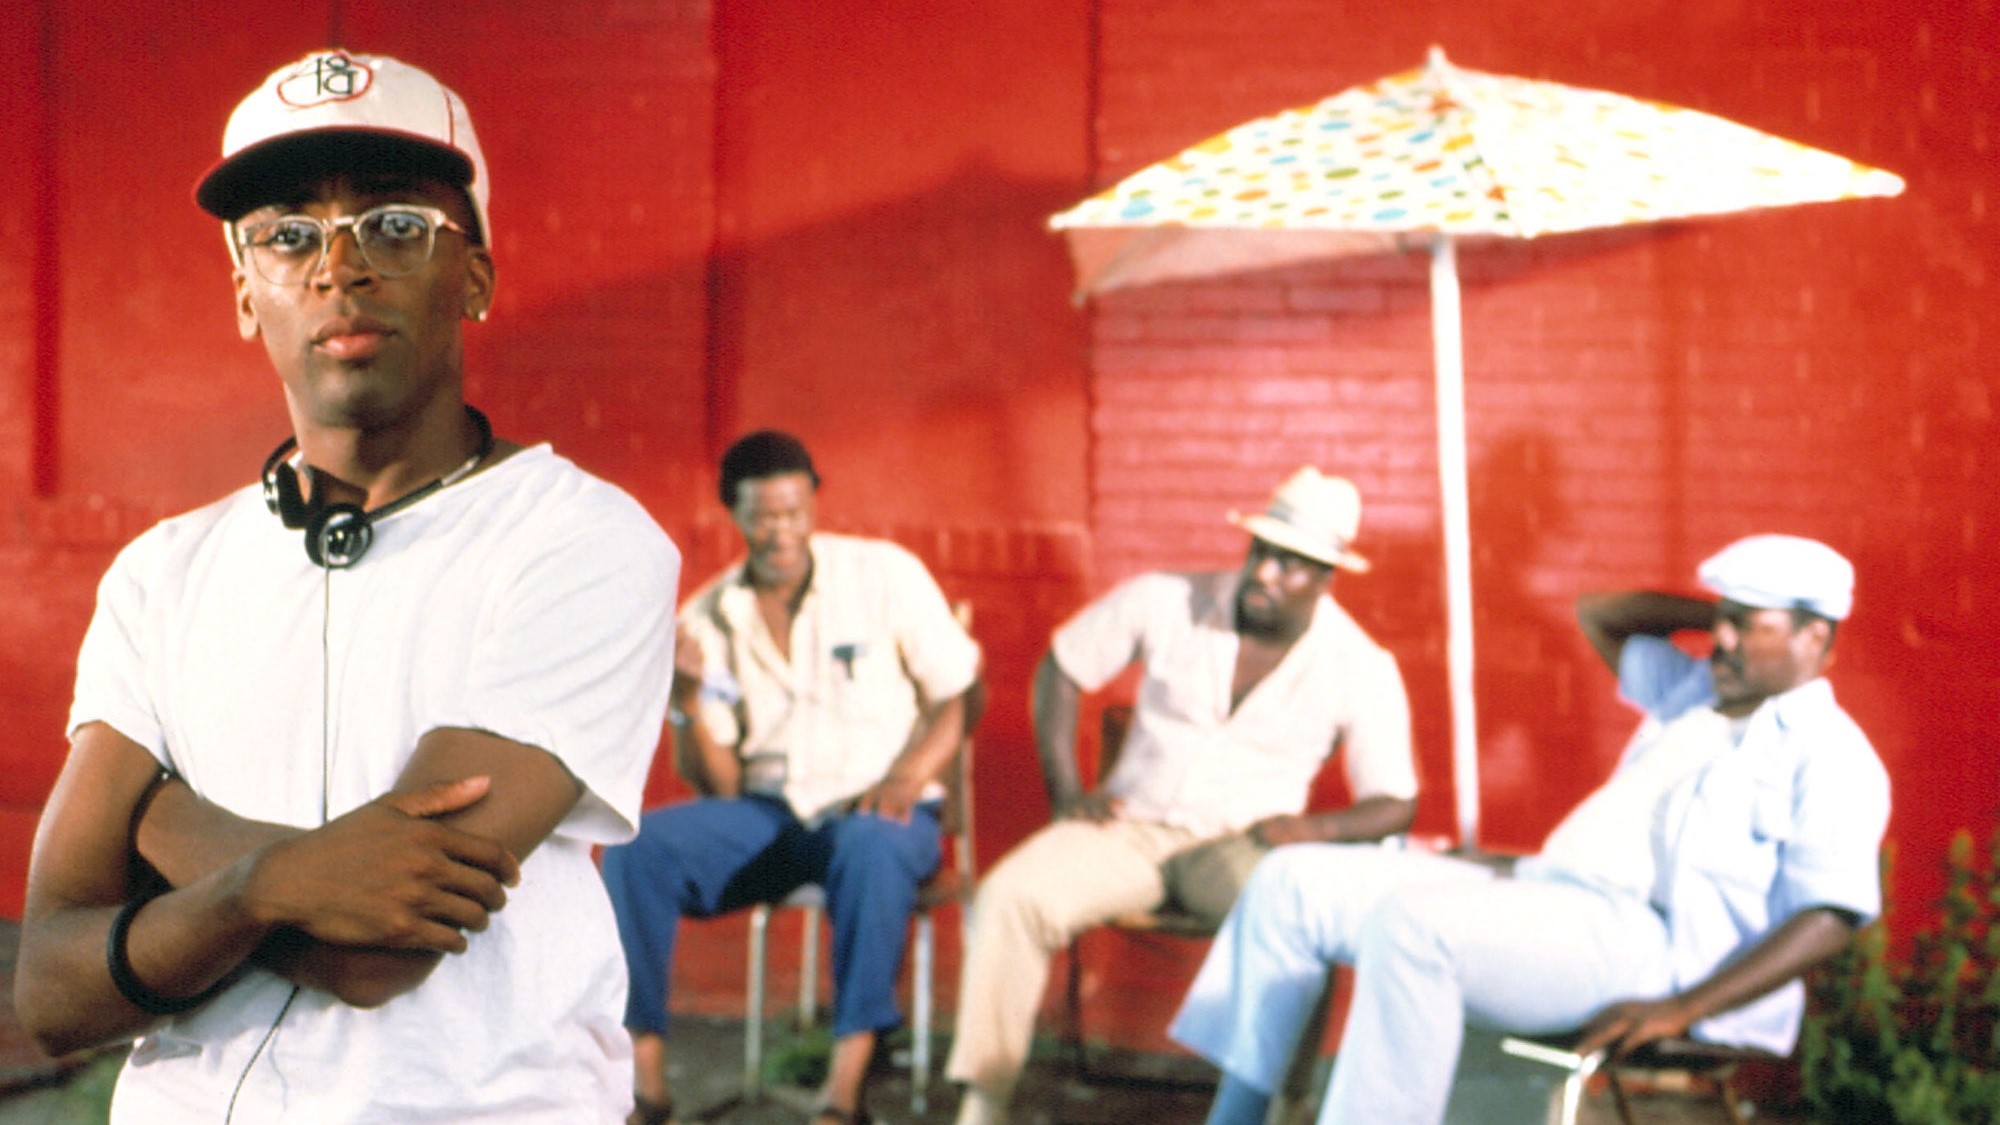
(883, 287)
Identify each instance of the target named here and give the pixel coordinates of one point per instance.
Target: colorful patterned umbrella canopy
(1421, 159)
(1434, 150)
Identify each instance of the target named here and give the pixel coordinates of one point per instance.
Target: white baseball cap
(1311, 514)
(1782, 572)
(342, 110)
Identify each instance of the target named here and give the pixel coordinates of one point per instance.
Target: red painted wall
(827, 217)
(884, 288)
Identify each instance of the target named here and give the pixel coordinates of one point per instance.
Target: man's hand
(1277, 831)
(387, 875)
(1094, 806)
(891, 798)
(944, 727)
(1626, 1026)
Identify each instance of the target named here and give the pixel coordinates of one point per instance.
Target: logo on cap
(325, 78)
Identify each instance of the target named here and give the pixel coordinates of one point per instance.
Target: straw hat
(1311, 514)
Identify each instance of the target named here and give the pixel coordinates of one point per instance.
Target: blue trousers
(712, 856)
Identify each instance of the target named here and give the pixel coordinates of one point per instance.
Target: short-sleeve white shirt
(530, 600)
(873, 643)
(1191, 760)
(1737, 835)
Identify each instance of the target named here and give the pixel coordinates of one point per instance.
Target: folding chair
(1712, 1063)
(1164, 923)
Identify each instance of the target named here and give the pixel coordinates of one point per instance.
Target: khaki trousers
(1064, 879)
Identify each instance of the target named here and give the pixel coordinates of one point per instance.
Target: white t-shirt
(531, 600)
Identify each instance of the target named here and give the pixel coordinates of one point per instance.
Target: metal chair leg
(1571, 1101)
(1073, 1048)
(920, 1016)
(1618, 1096)
(808, 1010)
(1726, 1090)
(753, 1019)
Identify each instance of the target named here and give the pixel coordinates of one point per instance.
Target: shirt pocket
(865, 678)
(1741, 830)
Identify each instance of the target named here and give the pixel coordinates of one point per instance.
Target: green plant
(800, 1059)
(1914, 1041)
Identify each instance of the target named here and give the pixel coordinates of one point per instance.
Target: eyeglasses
(395, 239)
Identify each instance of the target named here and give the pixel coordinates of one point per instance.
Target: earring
(478, 315)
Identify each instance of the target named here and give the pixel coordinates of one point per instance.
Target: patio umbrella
(1420, 159)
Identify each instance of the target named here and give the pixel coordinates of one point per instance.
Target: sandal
(834, 1115)
(650, 1113)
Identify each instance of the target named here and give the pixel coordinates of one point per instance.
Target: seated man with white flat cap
(1734, 846)
(1253, 678)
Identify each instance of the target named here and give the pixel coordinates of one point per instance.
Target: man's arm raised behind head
(1609, 618)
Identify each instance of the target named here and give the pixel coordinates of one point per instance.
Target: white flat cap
(1782, 572)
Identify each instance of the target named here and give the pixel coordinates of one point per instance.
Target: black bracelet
(128, 983)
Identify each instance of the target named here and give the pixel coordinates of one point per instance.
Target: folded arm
(528, 795)
(388, 874)
(523, 797)
(80, 874)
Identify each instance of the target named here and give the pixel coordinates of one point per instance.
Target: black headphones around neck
(337, 535)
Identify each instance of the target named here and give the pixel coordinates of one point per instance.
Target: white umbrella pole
(1448, 360)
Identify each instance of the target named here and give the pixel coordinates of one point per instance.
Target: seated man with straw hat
(1252, 679)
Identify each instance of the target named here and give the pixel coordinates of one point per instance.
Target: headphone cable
(325, 783)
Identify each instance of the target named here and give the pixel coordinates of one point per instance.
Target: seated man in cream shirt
(821, 685)
(1252, 679)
